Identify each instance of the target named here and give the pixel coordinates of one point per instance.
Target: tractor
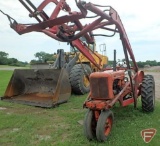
(109, 85)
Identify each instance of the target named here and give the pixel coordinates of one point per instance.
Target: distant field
(152, 69)
(7, 67)
(22, 125)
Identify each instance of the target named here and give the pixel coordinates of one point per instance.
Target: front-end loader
(70, 71)
(120, 83)
(50, 87)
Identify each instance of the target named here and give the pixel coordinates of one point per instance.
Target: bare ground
(157, 82)
(155, 71)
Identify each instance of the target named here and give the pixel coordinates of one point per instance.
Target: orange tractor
(123, 83)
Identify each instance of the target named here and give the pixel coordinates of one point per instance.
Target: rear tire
(89, 125)
(148, 94)
(78, 79)
(104, 125)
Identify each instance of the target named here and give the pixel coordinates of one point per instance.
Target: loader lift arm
(68, 28)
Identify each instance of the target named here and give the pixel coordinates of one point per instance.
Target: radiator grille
(99, 87)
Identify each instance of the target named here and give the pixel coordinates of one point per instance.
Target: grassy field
(22, 125)
(4, 79)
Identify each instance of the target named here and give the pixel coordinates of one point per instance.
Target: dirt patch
(43, 137)
(15, 130)
(152, 68)
(2, 108)
(80, 122)
(157, 82)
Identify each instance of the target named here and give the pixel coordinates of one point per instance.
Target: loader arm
(68, 28)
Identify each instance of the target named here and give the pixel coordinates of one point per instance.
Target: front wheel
(90, 125)
(104, 125)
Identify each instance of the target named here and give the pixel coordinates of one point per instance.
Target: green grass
(22, 125)
(4, 79)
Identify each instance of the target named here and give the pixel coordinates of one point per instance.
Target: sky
(139, 17)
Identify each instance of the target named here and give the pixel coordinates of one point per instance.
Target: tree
(3, 58)
(140, 64)
(33, 61)
(12, 60)
(151, 63)
(44, 57)
(3, 54)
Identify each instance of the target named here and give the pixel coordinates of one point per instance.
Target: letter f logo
(148, 134)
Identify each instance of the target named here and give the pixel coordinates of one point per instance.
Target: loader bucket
(43, 87)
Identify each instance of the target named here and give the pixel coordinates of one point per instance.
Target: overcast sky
(140, 18)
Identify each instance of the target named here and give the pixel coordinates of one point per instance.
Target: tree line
(148, 63)
(141, 64)
(4, 60)
(43, 57)
(40, 57)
